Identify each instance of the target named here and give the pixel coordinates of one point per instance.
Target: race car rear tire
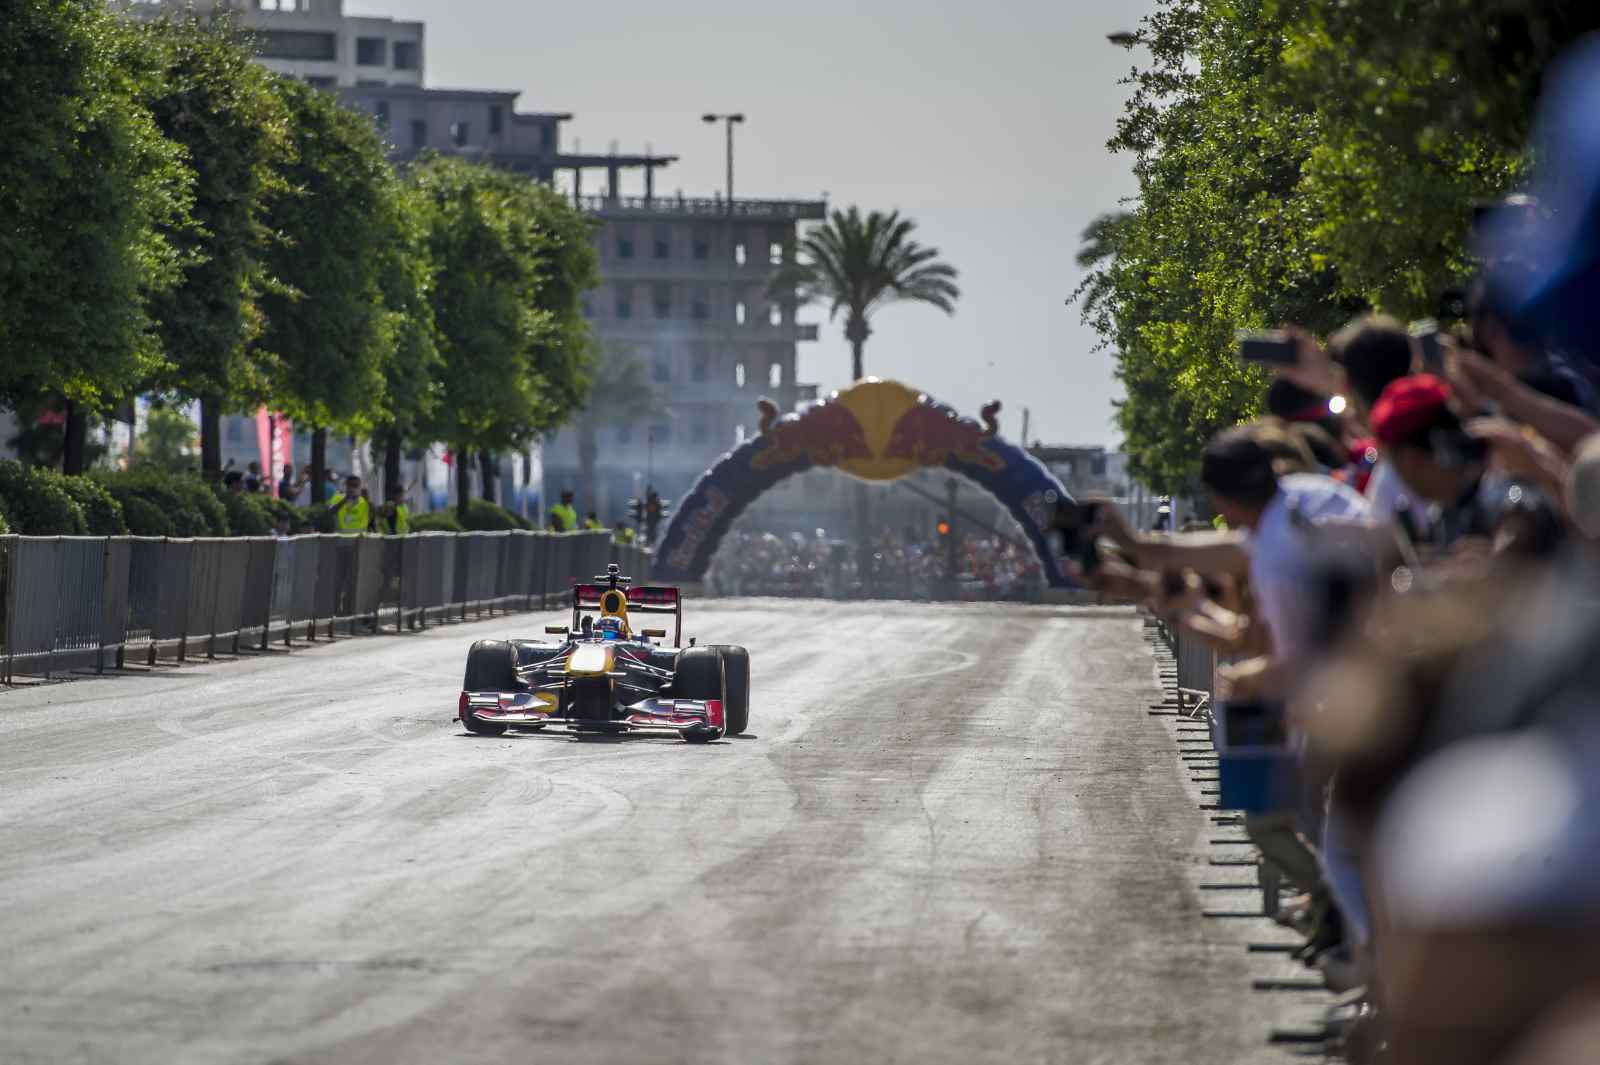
(491, 667)
(698, 675)
(736, 685)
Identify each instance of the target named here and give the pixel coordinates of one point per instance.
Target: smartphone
(1426, 334)
(1269, 349)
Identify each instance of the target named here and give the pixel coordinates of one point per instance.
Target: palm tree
(619, 391)
(858, 264)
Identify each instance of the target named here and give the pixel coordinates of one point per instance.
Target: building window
(774, 314)
(775, 375)
(660, 371)
(460, 133)
(700, 309)
(661, 434)
(625, 434)
(624, 306)
(406, 55)
(663, 300)
(739, 253)
(738, 375)
(371, 83)
(297, 44)
(701, 370)
(739, 312)
(775, 252)
(497, 120)
(700, 433)
(372, 52)
(663, 243)
(624, 245)
(702, 246)
(547, 137)
(419, 133)
(322, 81)
(380, 111)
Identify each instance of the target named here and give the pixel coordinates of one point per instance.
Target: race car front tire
(491, 667)
(736, 684)
(698, 675)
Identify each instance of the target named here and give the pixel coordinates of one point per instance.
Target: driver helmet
(609, 628)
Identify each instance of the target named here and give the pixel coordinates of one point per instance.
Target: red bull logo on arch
(876, 431)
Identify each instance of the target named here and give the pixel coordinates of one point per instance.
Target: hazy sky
(986, 122)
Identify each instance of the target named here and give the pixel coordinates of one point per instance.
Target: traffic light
(943, 527)
(654, 511)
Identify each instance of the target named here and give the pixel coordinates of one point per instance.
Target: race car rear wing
(646, 599)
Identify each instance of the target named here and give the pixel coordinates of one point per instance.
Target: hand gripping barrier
(72, 603)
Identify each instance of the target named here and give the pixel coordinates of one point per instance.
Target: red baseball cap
(1407, 406)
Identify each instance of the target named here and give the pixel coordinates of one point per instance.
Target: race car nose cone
(589, 659)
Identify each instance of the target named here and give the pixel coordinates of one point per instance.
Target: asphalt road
(953, 835)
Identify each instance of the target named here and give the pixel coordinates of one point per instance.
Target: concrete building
(686, 292)
(316, 42)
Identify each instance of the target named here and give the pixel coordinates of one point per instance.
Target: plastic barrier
(86, 602)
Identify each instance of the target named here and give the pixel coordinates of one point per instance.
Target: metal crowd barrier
(69, 603)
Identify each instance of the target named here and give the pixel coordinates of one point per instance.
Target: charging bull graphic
(875, 431)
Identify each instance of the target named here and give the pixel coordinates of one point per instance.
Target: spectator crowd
(988, 567)
(1403, 598)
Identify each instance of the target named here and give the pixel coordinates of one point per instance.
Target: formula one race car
(602, 675)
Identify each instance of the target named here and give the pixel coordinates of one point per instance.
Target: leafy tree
(1298, 160)
(857, 264)
(511, 261)
(619, 392)
(167, 441)
(90, 192)
(327, 330)
(219, 105)
(412, 372)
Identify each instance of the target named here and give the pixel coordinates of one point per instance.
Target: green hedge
(483, 516)
(188, 503)
(318, 517)
(102, 514)
(144, 517)
(436, 521)
(37, 503)
(248, 514)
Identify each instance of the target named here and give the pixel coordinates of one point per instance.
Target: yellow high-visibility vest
(350, 518)
(401, 525)
(568, 516)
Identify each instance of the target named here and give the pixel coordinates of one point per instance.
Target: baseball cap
(1408, 406)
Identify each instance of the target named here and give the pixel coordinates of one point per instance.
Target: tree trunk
(588, 454)
(75, 438)
(211, 437)
(463, 482)
(391, 462)
(319, 466)
(857, 331)
(490, 465)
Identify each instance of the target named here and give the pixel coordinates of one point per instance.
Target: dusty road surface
(953, 835)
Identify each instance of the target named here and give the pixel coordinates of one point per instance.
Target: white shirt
(1285, 553)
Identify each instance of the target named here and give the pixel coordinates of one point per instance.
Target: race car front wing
(524, 709)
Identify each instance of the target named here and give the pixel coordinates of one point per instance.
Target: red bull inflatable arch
(876, 431)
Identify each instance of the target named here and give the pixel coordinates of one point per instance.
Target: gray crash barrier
(70, 603)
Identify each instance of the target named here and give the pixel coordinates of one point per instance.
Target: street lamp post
(728, 120)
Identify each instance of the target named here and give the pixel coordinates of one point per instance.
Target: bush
(102, 514)
(319, 516)
(36, 502)
(186, 500)
(436, 521)
(483, 516)
(144, 518)
(248, 514)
